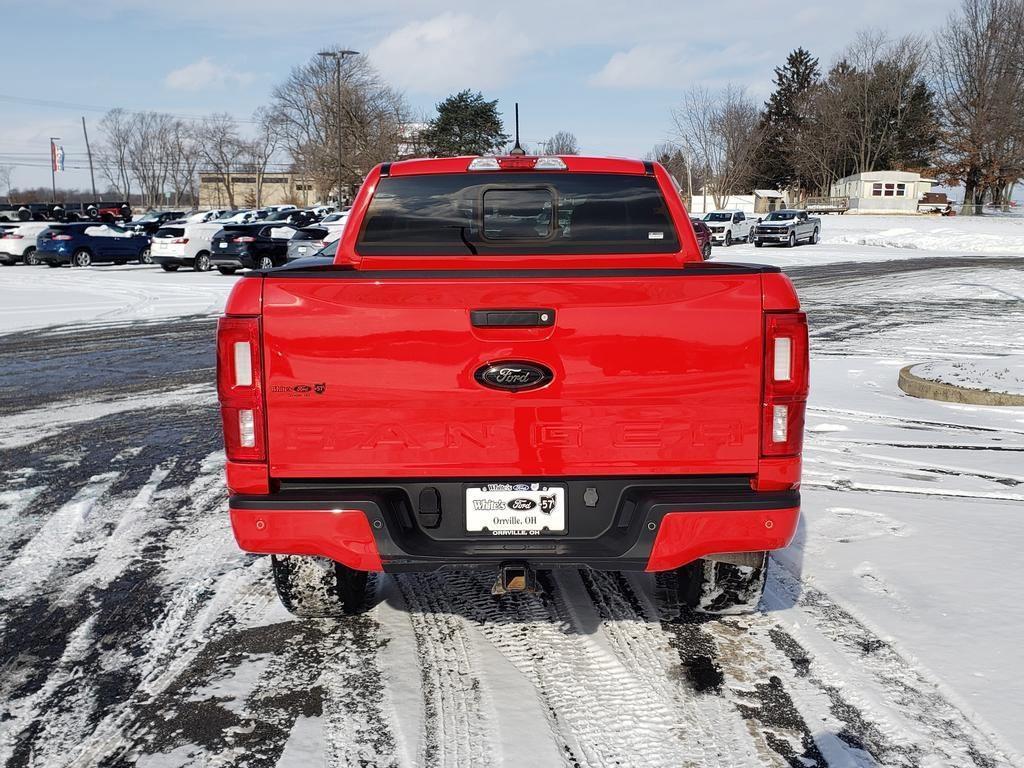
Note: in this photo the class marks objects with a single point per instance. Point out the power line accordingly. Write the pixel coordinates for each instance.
(92, 108)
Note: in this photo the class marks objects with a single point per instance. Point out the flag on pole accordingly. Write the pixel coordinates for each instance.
(57, 156)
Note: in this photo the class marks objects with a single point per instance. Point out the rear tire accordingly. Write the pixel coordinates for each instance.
(201, 263)
(169, 267)
(722, 589)
(791, 242)
(706, 251)
(266, 263)
(30, 257)
(145, 257)
(227, 270)
(81, 258)
(315, 587)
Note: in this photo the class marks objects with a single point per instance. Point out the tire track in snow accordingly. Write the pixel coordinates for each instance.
(938, 728)
(599, 711)
(457, 714)
(706, 725)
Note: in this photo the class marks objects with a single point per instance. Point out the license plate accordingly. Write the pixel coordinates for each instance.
(302, 249)
(515, 509)
(223, 245)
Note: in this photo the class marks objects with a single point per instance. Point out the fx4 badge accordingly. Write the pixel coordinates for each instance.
(513, 375)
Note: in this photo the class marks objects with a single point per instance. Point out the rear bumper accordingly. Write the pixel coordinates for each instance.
(9, 258)
(648, 524)
(181, 261)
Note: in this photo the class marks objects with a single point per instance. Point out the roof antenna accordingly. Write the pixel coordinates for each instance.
(518, 148)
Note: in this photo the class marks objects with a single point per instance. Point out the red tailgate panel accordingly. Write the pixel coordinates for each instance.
(375, 378)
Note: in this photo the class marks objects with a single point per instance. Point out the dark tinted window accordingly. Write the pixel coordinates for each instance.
(310, 233)
(170, 232)
(517, 213)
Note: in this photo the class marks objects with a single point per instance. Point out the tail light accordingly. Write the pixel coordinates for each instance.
(786, 367)
(62, 237)
(240, 388)
(245, 239)
(12, 236)
(179, 240)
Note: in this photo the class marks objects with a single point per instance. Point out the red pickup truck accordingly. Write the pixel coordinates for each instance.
(514, 363)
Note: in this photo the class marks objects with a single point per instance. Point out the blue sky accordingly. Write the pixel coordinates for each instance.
(608, 72)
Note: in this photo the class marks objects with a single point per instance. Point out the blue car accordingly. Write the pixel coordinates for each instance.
(84, 243)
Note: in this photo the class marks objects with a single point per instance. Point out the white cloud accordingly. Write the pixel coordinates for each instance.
(648, 65)
(204, 75)
(451, 51)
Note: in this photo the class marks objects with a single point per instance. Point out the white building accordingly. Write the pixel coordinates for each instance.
(762, 201)
(883, 191)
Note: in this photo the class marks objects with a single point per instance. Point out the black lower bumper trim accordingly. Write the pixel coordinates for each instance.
(611, 522)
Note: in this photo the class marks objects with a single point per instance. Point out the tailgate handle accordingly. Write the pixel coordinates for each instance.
(512, 318)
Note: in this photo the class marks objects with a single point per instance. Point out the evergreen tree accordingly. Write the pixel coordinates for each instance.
(782, 118)
(466, 124)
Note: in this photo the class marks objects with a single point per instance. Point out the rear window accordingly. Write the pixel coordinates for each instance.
(507, 213)
(311, 233)
(170, 232)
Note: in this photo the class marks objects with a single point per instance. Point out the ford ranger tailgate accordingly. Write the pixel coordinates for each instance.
(625, 372)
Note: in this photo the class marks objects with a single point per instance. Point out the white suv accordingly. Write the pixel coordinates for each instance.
(19, 243)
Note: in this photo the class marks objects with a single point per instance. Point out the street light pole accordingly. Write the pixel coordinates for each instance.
(338, 57)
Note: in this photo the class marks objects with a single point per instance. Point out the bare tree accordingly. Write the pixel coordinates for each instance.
(6, 172)
(980, 81)
(304, 113)
(562, 143)
(875, 80)
(222, 150)
(112, 157)
(260, 150)
(719, 130)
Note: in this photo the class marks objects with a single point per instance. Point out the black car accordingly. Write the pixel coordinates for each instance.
(252, 246)
(150, 222)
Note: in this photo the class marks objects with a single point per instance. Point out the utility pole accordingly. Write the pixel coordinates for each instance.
(338, 57)
(53, 167)
(88, 151)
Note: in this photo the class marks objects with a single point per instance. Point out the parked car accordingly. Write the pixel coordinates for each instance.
(296, 216)
(184, 245)
(200, 217)
(700, 229)
(81, 244)
(252, 246)
(243, 217)
(728, 227)
(472, 382)
(18, 242)
(152, 221)
(308, 240)
(787, 227)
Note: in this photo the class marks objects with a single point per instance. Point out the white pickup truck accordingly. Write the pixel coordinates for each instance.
(728, 227)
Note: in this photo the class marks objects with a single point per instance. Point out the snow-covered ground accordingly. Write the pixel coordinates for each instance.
(36, 297)
(132, 631)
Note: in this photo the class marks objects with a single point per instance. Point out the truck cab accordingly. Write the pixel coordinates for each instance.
(514, 363)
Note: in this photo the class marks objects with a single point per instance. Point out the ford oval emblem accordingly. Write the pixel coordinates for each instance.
(514, 375)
